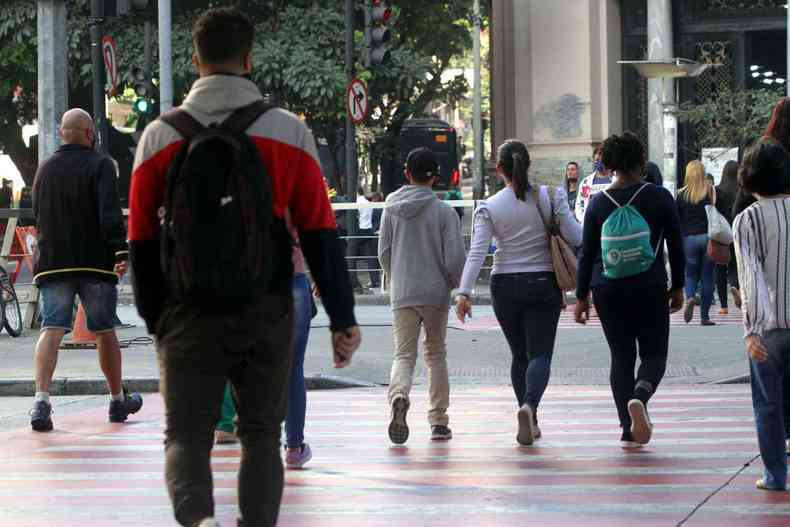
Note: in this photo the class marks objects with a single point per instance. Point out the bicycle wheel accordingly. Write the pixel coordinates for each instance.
(12, 314)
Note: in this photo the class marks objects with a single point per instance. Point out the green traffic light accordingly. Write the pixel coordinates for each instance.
(141, 106)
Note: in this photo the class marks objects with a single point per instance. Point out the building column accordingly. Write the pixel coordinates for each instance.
(52, 74)
(503, 81)
(662, 124)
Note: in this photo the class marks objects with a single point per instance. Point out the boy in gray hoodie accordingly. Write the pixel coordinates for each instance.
(421, 249)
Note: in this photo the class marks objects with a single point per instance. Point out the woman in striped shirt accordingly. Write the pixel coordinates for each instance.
(762, 246)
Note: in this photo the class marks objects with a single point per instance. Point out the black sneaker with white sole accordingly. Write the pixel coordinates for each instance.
(441, 433)
(641, 427)
(41, 417)
(398, 429)
(120, 410)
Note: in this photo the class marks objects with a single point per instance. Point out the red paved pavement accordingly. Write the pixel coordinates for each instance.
(91, 473)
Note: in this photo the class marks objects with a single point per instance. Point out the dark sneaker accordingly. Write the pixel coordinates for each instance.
(536, 433)
(41, 417)
(707, 323)
(399, 430)
(688, 312)
(441, 433)
(641, 427)
(526, 426)
(120, 410)
(297, 457)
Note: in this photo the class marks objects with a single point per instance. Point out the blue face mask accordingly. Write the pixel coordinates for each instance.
(598, 166)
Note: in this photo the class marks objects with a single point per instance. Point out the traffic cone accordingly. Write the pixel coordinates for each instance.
(80, 333)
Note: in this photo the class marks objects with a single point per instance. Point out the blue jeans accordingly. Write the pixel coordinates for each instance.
(527, 306)
(297, 395)
(767, 380)
(98, 297)
(699, 269)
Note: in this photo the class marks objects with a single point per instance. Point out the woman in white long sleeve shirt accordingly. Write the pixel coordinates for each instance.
(762, 247)
(524, 288)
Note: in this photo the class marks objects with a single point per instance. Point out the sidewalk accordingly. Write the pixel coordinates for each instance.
(700, 466)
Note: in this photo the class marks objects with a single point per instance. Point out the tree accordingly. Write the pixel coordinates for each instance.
(298, 58)
(729, 119)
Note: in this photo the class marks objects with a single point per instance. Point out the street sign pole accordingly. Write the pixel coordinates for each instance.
(97, 61)
(352, 175)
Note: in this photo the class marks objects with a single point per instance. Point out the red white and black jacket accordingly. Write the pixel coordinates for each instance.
(289, 153)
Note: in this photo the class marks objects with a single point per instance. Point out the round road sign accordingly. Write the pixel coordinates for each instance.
(110, 52)
(357, 101)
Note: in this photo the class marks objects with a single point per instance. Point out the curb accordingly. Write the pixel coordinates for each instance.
(64, 386)
(738, 379)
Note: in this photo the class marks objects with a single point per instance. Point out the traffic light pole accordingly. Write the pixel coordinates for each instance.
(351, 148)
(97, 62)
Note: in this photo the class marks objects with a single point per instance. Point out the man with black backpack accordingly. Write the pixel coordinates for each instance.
(211, 260)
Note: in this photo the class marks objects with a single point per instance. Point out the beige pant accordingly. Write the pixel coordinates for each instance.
(406, 331)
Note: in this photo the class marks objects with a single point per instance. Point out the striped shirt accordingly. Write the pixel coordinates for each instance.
(762, 248)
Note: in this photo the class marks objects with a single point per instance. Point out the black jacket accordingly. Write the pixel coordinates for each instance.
(78, 216)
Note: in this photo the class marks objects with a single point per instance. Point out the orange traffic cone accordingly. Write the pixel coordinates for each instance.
(80, 333)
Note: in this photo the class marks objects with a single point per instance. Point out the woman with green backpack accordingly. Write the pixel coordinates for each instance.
(622, 262)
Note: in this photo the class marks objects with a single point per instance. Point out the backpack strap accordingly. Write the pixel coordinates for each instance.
(186, 125)
(241, 119)
(636, 194)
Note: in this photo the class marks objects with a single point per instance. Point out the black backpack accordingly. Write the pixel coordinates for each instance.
(219, 247)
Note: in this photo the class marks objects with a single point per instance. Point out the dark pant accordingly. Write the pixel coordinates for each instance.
(527, 306)
(198, 353)
(364, 250)
(769, 403)
(635, 320)
(721, 285)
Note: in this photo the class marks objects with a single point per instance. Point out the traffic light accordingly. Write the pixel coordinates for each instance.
(143, 90)
(124, 7)
(377, 34)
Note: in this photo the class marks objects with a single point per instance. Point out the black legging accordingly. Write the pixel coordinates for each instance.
(630, 317)
(721, 285)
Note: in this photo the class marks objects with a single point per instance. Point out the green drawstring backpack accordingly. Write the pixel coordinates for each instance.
(625, 241)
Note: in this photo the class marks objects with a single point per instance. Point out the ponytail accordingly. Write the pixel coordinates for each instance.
(513, 157)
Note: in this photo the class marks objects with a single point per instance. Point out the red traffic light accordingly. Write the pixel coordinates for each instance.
(381, 14)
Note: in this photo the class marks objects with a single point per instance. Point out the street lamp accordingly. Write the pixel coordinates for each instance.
(669, 69)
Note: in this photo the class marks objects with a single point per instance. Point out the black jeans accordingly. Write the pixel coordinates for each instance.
(721, 285)
(634, 320)
(198, 353)
(367, 245)
(527, 306)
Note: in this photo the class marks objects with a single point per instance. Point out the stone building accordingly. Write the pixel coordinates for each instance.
(556, 81)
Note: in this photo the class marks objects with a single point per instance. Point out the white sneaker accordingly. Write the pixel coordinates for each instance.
(209, 522)
(641, 427)
(526, 422)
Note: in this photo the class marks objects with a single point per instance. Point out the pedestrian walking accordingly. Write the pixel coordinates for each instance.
(572, 185)
(622, 263)
(653, 174)
(761, 243)
(82, 252)
(363, 247)
(524, 288)
(297, 452)
(599, 180)
(213, 271)
(691, 201)
(727, 275)
(422, 251)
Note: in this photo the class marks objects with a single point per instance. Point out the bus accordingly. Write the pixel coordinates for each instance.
(442, 139)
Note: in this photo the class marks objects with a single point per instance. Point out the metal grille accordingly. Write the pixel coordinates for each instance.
(743, 5)
(641, 105)
(715, 82)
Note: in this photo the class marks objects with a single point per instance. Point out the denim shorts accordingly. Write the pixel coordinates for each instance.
(98, 297)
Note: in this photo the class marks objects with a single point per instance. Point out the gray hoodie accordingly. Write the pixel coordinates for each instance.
(420, 248)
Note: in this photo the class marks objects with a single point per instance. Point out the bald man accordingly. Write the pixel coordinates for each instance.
(81, 252)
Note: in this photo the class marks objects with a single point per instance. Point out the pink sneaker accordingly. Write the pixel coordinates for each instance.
(297, 457)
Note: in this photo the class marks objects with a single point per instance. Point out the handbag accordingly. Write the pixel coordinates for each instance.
(563, 259)
(719, 233)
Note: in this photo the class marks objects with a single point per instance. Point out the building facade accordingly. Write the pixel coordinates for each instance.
(557, 84)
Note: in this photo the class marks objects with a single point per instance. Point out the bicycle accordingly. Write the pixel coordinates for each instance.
(10, 311)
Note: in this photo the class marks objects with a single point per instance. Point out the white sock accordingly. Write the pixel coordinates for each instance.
(117, 396)
(42, 396)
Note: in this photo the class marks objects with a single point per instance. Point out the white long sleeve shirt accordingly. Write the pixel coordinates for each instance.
(522, 241)
(762, 248)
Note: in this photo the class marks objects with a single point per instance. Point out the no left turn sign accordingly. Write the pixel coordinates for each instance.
(357, 102)
(110, 53)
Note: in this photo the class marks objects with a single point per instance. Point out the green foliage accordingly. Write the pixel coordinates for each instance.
(298, 58)
(731, 118)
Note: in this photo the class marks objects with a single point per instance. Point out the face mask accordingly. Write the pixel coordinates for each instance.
(598, 166)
